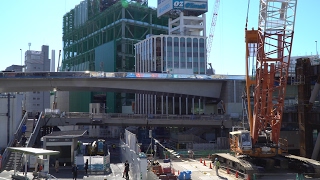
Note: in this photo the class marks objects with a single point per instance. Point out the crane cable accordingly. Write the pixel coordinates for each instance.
(246, 27)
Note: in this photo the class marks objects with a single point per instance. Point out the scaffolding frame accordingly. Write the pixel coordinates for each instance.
(123, 25)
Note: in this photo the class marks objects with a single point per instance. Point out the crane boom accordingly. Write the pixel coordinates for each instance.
(268, 51)
(213, 25)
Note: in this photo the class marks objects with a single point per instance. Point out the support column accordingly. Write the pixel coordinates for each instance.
(155, 104)
(180, 106)
(187, 106)
(151, 102)
(143, 103)
(173, 108)
(199, 105)
(167, 104)
(193, 105)
(204, 105)
(161, 104)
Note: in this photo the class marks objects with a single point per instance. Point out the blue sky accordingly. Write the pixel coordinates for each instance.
(40, 23)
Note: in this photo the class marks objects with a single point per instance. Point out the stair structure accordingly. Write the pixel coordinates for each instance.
(31, 134)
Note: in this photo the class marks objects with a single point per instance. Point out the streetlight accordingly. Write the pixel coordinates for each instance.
(316, 47)
(21, 56)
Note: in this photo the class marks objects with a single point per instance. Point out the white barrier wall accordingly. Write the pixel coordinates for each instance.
(130, 152)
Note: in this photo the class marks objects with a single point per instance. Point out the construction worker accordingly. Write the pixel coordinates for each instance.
(217, 165)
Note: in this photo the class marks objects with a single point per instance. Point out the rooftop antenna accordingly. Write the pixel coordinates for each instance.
(29, 44)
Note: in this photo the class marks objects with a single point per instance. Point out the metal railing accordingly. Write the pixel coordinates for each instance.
(137, 116)
(129, 75)
(35, 131)
(16, 135)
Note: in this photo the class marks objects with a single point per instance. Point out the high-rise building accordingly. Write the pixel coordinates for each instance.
(181, 51)
(37, 101)
(100, 36)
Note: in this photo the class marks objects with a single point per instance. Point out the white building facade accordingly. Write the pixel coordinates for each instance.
(182, 51)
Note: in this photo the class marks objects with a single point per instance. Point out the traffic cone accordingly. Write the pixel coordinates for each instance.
(248, 177)
(237, 174)
(178, 172)
(173, 171)
(200, 160)
(228, 172)
(210, 165)
(204, 162)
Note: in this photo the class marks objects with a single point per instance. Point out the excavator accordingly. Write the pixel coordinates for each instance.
(268, 51)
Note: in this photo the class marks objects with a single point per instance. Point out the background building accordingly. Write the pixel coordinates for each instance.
(10, 118)
(100, 36)
(37, 101)
(182, 51)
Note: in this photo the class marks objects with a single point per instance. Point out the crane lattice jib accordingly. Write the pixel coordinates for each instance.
(272, 50)
(213, 25)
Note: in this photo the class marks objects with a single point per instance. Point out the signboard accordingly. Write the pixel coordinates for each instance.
(165, 6)
(196, 5)
(59, 139)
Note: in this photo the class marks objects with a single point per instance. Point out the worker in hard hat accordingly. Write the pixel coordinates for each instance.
(216, 165)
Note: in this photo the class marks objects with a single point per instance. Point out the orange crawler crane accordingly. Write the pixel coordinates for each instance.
(268, 52)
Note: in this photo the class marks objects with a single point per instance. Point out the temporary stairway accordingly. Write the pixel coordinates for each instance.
(31, 134)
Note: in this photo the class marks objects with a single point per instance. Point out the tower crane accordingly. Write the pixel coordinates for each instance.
(268, 51)
(212, 28)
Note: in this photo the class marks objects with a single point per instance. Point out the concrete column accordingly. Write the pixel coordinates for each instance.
(199, 103)
(167, 104)
(187, 106)
(173, 108)
(180, 106)
(143, 103)
(155, 104)
(161, 104)
(204, 105)
(140, 109)
(151, 102)
(193, 105)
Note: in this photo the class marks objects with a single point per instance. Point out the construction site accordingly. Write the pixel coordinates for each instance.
(279, 100)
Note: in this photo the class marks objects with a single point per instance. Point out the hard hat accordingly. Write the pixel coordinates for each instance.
(216, 159)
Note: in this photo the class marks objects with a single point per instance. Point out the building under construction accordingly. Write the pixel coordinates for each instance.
(99, 35)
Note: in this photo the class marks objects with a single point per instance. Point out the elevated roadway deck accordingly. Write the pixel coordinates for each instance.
(147, 83)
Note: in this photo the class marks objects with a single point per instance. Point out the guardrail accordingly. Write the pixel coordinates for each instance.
(294, 176)
(137, 116)
(131, 75)
(16, 135)
(35, 131)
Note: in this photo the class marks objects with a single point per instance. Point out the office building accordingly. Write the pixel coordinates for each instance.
(100, 36)
(35, 61)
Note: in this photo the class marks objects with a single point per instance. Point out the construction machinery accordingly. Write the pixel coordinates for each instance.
(268, 51)
(54, 104)
(212, 29)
